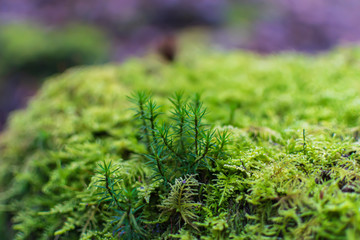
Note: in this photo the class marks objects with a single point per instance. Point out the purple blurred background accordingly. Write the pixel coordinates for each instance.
(131, 27)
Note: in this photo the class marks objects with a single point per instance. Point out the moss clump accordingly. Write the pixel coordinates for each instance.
(276, 181)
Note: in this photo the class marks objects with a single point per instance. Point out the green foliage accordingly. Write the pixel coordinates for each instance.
(34, 50)
(175, 150)
(181, 201)
(116, 194)
(271, 181)
(218, 226)
(183, 145)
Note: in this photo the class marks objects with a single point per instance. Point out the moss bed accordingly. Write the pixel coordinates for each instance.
(291, 169)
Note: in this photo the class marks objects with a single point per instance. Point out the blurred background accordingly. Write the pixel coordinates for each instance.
(39, 38)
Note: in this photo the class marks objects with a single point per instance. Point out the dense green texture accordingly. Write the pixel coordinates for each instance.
(277, 181)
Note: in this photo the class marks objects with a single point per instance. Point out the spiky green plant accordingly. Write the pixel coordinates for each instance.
(122, 200)
(178, 148)
(184, 143)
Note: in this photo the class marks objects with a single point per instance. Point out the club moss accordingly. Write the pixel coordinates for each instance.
(292, 170)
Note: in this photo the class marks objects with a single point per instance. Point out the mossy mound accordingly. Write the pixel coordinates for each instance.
(277, 182)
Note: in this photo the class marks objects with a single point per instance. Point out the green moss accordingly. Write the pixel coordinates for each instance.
(271, 185)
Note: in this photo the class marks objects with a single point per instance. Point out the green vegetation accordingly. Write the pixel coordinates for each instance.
(282, 134)
(38, 51)
(179, 148)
